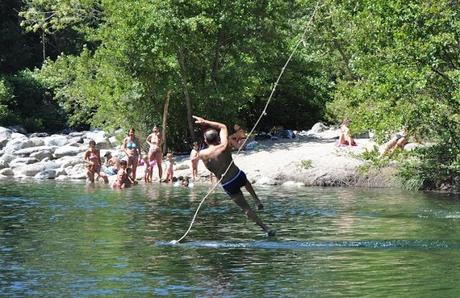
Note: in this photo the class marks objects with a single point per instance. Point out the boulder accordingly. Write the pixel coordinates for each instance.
(46, 174)
(7, 172)
(5, 136)
(76, 172)
(29, 170)
(17, 144)
(100, 137)
(21, 161)
(38, 135)
(32, 150)
(69, 161)
(265, 181)
(68, 151)
(16, 135)
(40, 155)
(56, 140)
(318, 127)
(7, 158)
(77, 134)
(37, 141)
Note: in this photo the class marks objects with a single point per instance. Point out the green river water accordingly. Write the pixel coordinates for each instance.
(69, 239)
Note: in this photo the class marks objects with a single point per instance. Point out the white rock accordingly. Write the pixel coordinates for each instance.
(56, 140)
(40, 155)
(265, 181)
(5, 136)
(318, 127)
(37, 141)
(17, 144)
(21, 161)
(292, 184)
(30, 170)
(16, 135)
(31, 150)
(67, 151)
(47, 174)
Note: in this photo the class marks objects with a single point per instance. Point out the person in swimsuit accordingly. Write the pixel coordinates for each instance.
(149, 165)
(132, 149)
(92, 158)
(218, 159)
(122, 176)
(237, 138)
(345, 138)
(194, 159)
(154, 140)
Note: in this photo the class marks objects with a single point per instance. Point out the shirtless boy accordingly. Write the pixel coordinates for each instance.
(217, 158)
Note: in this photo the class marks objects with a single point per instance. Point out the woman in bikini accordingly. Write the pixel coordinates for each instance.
(132, 149)
(93, 159)
(155, 155)
(237, 139)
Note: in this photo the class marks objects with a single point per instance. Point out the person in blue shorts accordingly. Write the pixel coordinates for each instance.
(218, 160)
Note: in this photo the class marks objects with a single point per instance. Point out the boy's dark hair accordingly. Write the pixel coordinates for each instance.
(123, 163)
(211, 136)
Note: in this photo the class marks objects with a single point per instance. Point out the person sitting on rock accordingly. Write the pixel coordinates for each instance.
(345, 138)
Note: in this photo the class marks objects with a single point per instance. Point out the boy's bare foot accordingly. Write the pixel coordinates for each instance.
(260, 206)
(271, 233)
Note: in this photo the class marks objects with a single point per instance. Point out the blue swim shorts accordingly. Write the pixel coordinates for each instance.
(232, 186)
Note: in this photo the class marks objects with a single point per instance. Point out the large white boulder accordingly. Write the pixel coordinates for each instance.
(68, 151)
(17, 144)
(46, 174)
(56, 140)
(21, 161)
(32, 150)
(41, 155)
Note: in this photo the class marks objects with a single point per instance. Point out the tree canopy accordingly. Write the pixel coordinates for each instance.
(112, 64)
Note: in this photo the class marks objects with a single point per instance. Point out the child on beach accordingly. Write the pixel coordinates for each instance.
(194, 159)
(169, 167)
(122, 175)
(148, 169)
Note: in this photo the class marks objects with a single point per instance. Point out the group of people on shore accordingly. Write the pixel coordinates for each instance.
(126, 168)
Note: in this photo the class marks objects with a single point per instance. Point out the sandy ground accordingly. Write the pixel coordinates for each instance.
(301, 162)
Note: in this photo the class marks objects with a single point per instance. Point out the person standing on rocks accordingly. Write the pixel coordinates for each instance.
(132, 148)
(93, 159)
(218, 159)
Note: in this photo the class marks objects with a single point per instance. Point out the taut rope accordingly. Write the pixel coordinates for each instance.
(263, 113)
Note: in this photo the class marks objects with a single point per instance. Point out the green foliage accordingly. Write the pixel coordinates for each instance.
(306, 164)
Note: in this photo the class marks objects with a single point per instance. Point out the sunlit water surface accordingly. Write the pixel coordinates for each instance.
(74, 240)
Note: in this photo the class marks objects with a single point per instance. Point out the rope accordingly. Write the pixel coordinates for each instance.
(262, 114)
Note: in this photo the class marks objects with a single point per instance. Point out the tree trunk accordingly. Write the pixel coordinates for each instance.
(188, 102)
(165, 120)
(43, 46)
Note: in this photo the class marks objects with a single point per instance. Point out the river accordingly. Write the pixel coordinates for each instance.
(69, 239)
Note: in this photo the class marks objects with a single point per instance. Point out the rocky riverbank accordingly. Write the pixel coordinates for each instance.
(312, 158)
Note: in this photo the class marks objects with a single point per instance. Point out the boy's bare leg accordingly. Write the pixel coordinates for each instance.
(249, 188)
(243, 204)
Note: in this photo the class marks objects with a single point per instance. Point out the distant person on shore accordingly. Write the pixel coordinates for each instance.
(194, 160)
(92, 158)
(218, 158)
(132, 148)
(345, 138)
(237, 139)
(154, 140)
(399, 140)
(169, 167)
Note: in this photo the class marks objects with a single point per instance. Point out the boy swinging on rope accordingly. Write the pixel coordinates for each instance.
(217, 158)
